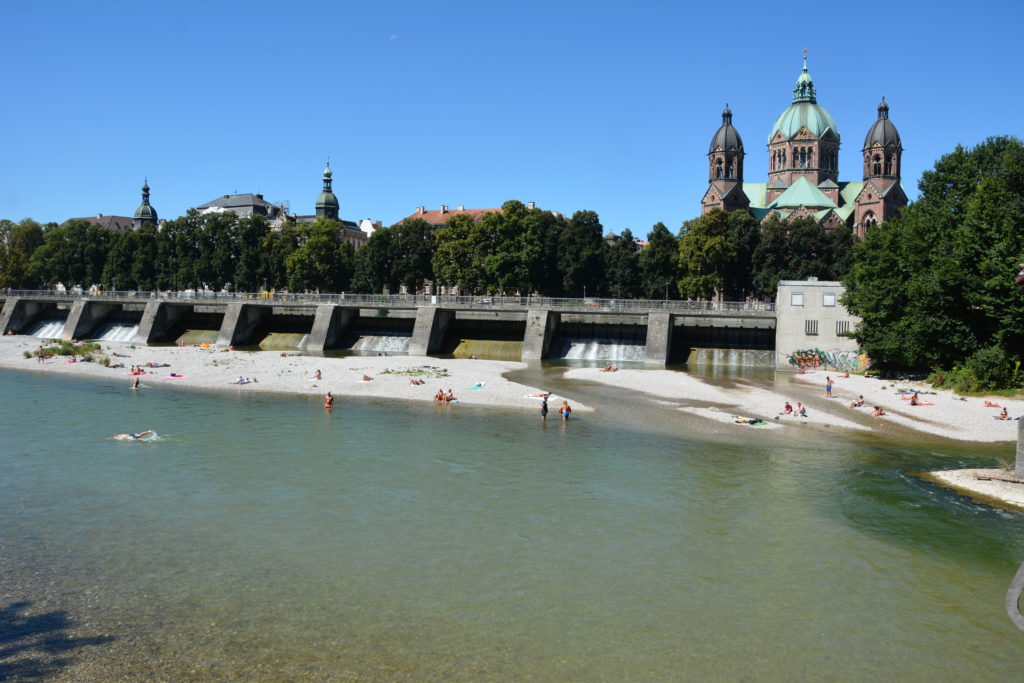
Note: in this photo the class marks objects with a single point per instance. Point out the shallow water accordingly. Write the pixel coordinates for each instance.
(260, 538)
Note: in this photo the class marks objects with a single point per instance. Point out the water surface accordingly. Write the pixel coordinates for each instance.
(260, 538)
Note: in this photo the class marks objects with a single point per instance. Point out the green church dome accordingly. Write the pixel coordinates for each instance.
(805, 112)
(326, 199)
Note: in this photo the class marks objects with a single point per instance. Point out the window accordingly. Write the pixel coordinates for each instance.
(811, 327)
(842, 328)
(797, 299)
(828, 299)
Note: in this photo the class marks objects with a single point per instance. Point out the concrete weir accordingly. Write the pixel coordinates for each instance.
(527, 328)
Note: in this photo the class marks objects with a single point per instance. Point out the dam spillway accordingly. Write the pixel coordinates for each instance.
(512, 328)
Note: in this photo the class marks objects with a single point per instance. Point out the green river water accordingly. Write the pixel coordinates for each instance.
(262, 539)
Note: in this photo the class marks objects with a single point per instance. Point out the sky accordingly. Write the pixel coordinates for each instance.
(606, 106)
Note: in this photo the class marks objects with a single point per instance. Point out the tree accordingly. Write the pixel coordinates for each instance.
(659, 264)
(934, 287)
(458, 255)
(579, 255)
(322, 262)
(705, 255)
(117, 271)
(250, 270)
(622, 267)
(797, 250)
(744, 235)
(373, 264)
(71, 254)
(410, 254)
(18, 241)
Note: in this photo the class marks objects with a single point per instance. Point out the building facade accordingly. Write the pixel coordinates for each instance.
(813, 329)
(803, 168)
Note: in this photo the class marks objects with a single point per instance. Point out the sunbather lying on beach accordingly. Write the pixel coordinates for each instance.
(878, 412)
(990, 404)
(859, 403)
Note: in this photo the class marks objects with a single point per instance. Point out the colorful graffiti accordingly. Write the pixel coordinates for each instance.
(844, 361)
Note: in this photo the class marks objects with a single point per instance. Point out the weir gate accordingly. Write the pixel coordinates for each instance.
(505, 328)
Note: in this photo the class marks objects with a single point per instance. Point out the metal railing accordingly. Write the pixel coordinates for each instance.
(406, 300)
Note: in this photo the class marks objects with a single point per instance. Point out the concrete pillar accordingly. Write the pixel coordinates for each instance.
(1019, 469)
(7, 317)
(540, 329)
(431, 324)
(84, 317)
(659, 338)
(157, 320)
(18, 314)
(240, 321)
(330, 323)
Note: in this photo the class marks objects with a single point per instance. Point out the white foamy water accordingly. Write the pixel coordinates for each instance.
(599, 350)
(47, 329)
(117, 332)
(391, 343)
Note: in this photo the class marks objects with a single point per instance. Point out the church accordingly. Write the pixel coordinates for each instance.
(803, 168)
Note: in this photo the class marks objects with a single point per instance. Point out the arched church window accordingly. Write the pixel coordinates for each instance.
(783, 158)
(718, 168)
(877, 165)
(888, 164)
(729, 170)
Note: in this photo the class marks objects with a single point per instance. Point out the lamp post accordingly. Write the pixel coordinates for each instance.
(666, 289)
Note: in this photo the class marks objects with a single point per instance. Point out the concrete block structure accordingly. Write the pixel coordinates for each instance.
(813, 329)
(431, 325)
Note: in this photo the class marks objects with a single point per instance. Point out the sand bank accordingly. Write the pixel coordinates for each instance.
(474, 382)
(951, 416)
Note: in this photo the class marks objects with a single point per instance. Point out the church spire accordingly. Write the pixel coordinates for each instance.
(327, 203)
(145, 213)
(804, 91)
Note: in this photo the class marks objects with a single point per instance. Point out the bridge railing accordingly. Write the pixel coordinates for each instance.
(556, 303)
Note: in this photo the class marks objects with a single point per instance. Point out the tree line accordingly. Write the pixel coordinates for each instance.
(518, 250)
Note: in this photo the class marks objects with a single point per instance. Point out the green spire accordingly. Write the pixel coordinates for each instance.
(804, 91)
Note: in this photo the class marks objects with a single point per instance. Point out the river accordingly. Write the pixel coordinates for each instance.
(260, 538)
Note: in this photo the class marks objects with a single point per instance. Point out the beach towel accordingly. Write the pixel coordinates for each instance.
(174, 376)
(478, 385)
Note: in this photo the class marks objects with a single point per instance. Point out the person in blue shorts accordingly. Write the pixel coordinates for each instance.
(565, 411)
(544, 408)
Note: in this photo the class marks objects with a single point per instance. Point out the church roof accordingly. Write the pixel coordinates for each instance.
(802, 193)
(726, 138)
(882, 132)
(757, 194)
(805, 112)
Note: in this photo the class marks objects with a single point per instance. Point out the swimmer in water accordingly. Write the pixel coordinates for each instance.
(328, 401)
(128, 437)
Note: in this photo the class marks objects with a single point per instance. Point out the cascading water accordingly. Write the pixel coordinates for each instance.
(381, 343)
(117, 332)
(602, 350)
(47, 329)
(742, 358)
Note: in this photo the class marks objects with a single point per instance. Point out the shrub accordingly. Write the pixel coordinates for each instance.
(992, 368)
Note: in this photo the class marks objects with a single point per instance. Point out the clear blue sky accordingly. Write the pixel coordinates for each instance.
(608, 106)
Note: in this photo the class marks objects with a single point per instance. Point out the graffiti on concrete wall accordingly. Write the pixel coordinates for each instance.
(847, 361)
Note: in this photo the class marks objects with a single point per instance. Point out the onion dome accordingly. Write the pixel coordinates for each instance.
(327, 203)
(883, 133)
(726, 138)
(805, 112)
(145, 213)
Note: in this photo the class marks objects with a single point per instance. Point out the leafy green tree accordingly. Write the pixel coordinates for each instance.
(71, 254)
(373, 268)
(705, 254)
(278, 245)
(250, 271)
(458, 255)
(934, 286)
(117, 271)
(744, 235)
(580, 258)
(622, 267)
(410, 254)
(18, 241)
(144, 265)
(797, 250)
(510, 245)
(322, 261)
(659, 264)
(217, 249)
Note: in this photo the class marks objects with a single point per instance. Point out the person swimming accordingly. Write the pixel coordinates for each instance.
(130, 437)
